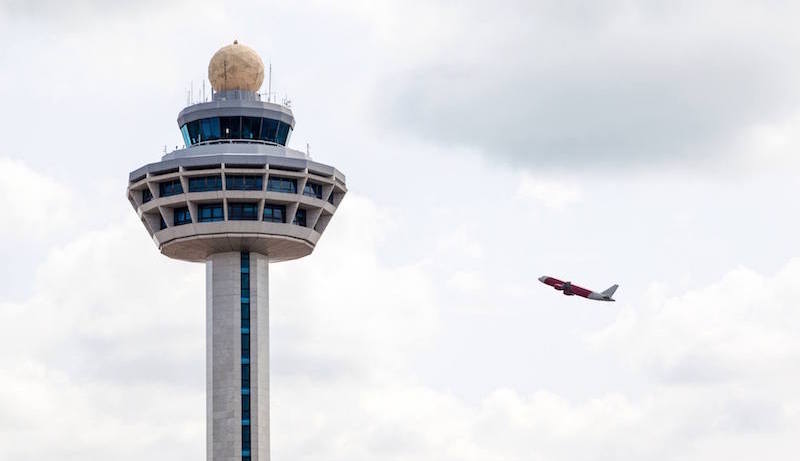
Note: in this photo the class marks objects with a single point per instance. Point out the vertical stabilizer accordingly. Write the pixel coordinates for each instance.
(610, 291)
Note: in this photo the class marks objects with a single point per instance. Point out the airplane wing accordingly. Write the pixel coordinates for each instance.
(580, 291)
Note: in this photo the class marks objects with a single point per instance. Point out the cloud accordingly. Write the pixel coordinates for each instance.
(34, 206)
(611, 84)
(550, 193)
(740, 328)
(111, 339)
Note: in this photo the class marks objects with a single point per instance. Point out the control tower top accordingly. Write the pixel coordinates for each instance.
(236, 186)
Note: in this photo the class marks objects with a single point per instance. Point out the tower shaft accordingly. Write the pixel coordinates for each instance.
(237, 357)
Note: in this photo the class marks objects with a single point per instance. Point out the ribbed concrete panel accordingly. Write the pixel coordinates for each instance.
(223, 349)
(259, 370)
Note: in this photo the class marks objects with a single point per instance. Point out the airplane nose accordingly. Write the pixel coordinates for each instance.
(543, 278)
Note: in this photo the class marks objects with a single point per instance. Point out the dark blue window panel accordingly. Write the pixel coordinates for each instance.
(300, 218)
(330, 198)
(244, 267)
(146, 195)
(274, 213)
(313, 190)
(193, 132)
(251, 126)
(283, 133)
(181, 216)
(209, 129)
(163, 224)
(243, 211)
(245, 375)
(167, 188)
(245, 438)
(231, 127)
(269, 130)
(210, 212)
(205, 183)
(277, 184)
(244, 182)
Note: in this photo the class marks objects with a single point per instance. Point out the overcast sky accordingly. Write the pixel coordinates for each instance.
(652, 144)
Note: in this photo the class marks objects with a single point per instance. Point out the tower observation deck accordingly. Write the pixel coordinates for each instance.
(237, 198)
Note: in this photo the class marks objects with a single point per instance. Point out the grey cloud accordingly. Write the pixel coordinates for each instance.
(612, 85)
(75, 12)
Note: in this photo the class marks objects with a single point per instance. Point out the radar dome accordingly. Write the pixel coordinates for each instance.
(236, 67)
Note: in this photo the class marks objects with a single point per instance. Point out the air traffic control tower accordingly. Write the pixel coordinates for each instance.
(237, 199)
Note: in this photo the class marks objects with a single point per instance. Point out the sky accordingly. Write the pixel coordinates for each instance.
(651, 144)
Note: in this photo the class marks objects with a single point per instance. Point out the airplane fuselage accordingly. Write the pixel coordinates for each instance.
(568, 289)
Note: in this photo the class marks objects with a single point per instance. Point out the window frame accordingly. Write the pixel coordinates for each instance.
(282, 180)
(187, 217)
(201, 208)
(273, 207)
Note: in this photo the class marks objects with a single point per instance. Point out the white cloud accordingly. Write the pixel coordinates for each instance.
(550, 193)
(742, 327)
(466, 281)
(460, 242)
(34, 205)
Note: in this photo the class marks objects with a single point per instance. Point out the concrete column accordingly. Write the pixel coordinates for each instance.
(223, 357)
(259, 340)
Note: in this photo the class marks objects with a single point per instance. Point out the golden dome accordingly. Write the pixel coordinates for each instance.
(236, 67)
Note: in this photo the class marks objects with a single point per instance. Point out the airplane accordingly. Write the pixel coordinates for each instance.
(569, 289)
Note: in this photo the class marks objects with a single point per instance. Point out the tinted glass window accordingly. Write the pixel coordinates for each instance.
(330, 198)
(269, 130)
(283, 133)
(193, 130)
(250, 127)
(209, 129)
(210, 212)
(274, 213)
(185, 132)
(244, 182)
(163, 224)
(245, 376)
(146, 195)
(313, 190)
(243, 212)
(167, 188)
(205, 183)
(300, 218)
(231, 127)
(182, 216)
(287, 185)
